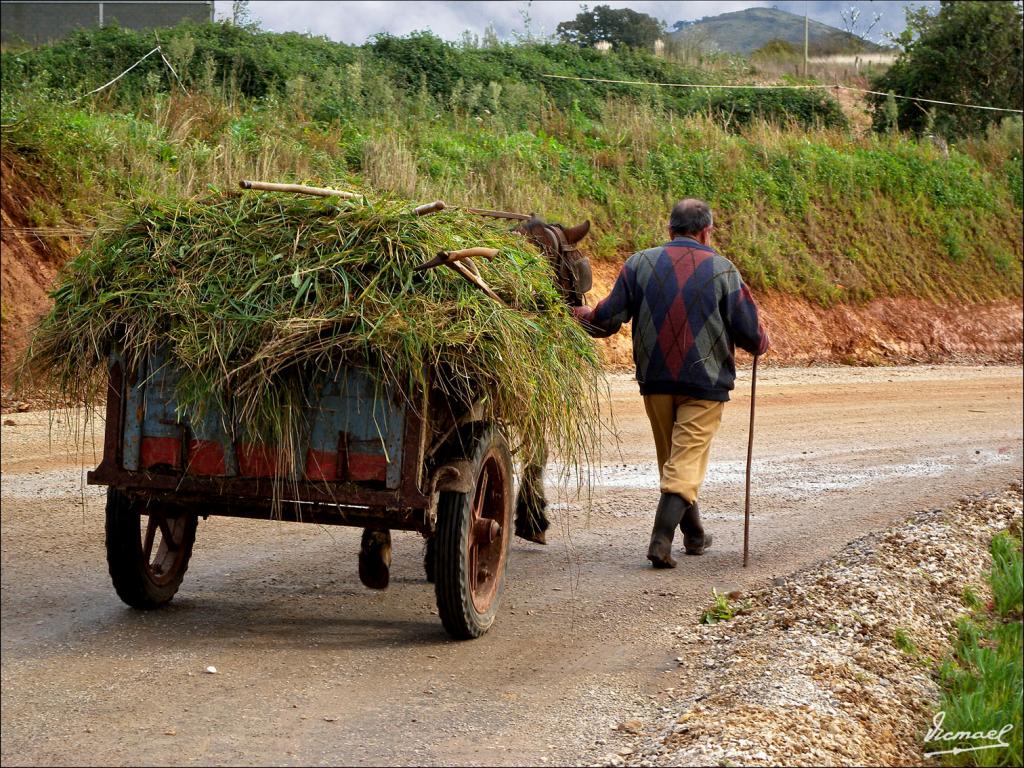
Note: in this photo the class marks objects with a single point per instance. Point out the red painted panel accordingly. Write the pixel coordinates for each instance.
(367, 466)
(258, 460)
(206, 457)
(156, 451)
(321, 465)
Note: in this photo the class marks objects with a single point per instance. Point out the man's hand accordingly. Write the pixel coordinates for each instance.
(583, 314)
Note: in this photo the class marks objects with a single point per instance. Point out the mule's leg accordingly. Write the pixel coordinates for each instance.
(375, 558)
(531, 519)
(430, 558)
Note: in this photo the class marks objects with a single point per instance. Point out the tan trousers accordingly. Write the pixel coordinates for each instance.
(683, 428)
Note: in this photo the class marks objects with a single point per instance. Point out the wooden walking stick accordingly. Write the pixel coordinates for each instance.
(750, 453)
(420, 210)
(300, 189)
(461, 262)
(447, 257)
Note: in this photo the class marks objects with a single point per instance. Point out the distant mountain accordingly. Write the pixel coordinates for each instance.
(747, 30)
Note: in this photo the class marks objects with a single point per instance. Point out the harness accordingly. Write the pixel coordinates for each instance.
(572, 268)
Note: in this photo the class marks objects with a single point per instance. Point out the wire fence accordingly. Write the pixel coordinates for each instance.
(780, 87)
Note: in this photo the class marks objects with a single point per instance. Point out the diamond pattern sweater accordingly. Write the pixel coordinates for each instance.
(690, 309)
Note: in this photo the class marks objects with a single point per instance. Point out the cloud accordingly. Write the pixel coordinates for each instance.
(354, 21)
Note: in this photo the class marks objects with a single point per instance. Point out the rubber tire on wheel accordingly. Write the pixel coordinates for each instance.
(463, 616)
(135, 580)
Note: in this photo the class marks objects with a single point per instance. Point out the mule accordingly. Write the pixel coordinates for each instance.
(560, 245)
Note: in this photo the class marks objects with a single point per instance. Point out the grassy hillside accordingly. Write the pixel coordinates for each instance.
(263, 65)
(747, 30)
(804, 206)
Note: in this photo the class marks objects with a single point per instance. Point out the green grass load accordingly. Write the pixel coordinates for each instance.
(255, 295)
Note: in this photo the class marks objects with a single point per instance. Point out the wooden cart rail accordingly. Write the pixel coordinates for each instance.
(249, 495)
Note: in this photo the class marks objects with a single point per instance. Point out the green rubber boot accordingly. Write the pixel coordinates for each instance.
(695, 540)
(670, 512)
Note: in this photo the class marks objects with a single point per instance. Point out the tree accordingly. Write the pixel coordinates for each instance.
(852, 23)
(690, 46)
(891, 113)
(241, 16)
(622, 27)
(968, 52)
(490, 38)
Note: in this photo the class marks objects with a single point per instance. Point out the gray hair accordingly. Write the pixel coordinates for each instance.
(689, 217)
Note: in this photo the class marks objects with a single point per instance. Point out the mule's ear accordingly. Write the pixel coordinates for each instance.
(574, 234)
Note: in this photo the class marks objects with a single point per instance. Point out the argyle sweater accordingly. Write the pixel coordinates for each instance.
(690, 309)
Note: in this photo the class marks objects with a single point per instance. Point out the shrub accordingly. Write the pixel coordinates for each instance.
(967, 52)
(806, 108)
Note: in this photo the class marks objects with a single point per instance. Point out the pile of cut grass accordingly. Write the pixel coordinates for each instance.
(254, 296)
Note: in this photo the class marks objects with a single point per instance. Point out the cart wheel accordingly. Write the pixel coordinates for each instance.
(430, 559)
(473, 534)
(147, 552)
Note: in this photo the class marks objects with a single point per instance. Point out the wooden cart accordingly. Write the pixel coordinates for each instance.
(370, 457)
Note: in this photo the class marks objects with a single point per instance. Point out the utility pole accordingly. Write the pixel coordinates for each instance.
(805, 38)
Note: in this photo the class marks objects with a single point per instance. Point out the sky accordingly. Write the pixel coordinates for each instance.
(354, 21)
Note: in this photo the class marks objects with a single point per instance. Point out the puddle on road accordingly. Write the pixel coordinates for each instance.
(793, 477)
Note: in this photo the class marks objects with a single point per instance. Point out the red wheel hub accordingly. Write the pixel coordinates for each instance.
(162, 550)
(488, 532)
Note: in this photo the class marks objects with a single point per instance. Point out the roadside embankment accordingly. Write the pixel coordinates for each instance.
(864, 248)
(883, 331)
(29, 261)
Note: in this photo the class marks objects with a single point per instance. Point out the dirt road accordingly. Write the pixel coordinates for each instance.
(312, 668)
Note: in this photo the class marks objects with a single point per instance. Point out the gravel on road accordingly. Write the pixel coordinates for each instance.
(834, 664)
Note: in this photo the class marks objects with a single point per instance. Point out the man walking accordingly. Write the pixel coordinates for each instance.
(690, 309)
